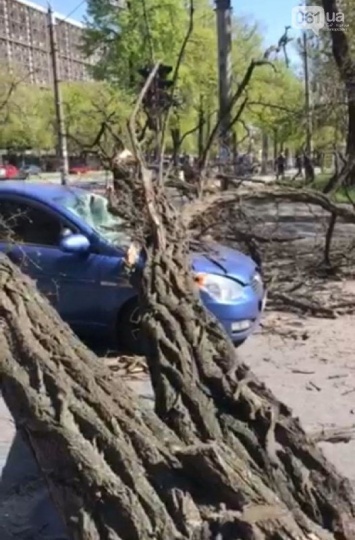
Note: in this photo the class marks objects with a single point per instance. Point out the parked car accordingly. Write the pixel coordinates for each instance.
(80, 169)
(10, 172)
(32, 170)
(73, 247)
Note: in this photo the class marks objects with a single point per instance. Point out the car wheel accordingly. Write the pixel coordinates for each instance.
(129, 332)
(239, 343)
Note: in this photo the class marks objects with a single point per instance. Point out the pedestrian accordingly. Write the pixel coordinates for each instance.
(308, 169)
(299, 165)
(280, 166)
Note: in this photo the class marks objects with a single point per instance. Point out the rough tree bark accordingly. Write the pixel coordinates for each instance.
(225, 460)
(117, 472)
(346, 67)
(222, 458)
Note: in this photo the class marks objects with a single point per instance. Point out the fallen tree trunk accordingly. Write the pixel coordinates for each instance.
(202, 394)
(116, 472)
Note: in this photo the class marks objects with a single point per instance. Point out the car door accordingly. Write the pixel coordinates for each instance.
(30, 235)
(22, 239)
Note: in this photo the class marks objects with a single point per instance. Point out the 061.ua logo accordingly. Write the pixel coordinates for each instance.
(308, 18)
(315, 18)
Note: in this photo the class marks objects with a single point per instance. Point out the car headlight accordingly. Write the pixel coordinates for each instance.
(220, 288)
(257, 283)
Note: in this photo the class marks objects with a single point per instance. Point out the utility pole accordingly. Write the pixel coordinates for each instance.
(62, 137)
(224, 35)
(307, 95)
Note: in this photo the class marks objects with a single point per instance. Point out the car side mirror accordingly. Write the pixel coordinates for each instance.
(75, 243)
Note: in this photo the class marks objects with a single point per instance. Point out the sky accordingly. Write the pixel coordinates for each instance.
(272, 15)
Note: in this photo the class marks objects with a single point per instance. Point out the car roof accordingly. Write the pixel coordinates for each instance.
(39, 191)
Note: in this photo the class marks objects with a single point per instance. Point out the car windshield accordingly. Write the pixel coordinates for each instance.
(93, 209)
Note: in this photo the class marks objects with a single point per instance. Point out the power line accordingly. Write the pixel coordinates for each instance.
(72, 12)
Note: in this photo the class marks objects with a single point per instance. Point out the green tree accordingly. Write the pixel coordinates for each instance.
(25, 120)
(87, 105)
(128, 39)
(276, 105)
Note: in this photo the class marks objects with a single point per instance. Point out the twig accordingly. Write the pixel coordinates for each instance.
(334, 435)
(348, 392)
(302, 372)
(315, 386)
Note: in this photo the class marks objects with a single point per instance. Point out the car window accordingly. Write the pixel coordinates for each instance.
(93, 209)
(26, 224)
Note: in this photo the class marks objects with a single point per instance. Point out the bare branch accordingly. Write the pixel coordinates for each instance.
(131, 125)
(175, 79)
(237, 95)
(334, 435)
(209, 204)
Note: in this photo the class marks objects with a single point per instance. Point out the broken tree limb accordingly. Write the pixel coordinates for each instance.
(282, 301)
(230, 426)
(334, 435)
(116, 471)
(194, 210)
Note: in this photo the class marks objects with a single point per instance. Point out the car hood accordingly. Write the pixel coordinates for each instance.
(225, 261)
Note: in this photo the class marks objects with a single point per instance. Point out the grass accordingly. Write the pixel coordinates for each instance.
(342, 194)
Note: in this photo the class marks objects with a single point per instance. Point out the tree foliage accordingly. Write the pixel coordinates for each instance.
(24, 120)
(128, 39)
(87, 106)
(277, 104)
(27, 113)
(151, 31)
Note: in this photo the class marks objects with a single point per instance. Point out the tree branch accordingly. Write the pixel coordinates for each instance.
(175, 79)
(237, 95)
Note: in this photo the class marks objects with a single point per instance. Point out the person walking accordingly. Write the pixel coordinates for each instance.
(280, 166)
(299, 165)
(308, 169)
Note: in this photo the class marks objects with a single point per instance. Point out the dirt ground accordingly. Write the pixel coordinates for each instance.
(311, 367)
(313, 371)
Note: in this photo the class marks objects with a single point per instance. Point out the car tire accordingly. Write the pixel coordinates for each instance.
(238, 344)
(129, 332)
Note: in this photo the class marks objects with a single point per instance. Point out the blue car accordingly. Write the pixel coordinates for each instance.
(67, 240)
(32, 170)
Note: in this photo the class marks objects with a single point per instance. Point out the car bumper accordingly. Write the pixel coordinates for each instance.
(240, 319)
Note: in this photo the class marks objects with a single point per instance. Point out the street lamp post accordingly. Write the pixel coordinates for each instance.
(307, 93)
(61, 129)
(224, 36)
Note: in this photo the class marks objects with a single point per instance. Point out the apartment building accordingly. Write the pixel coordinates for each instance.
(25, 47)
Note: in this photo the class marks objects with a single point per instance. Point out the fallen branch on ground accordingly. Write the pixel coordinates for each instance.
(334, 435)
